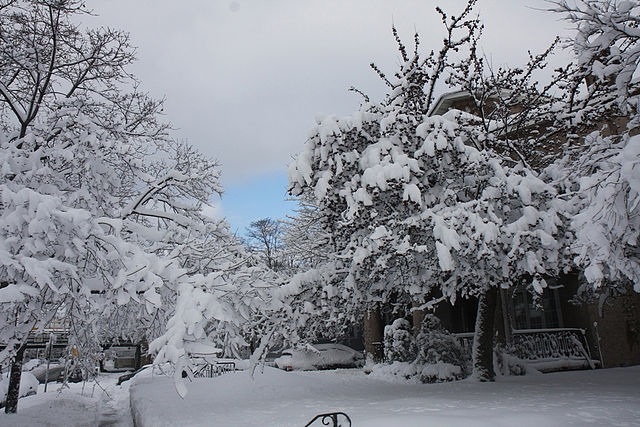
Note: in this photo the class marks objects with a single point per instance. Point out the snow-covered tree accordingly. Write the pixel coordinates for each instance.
(229, 306)
(417, 207)
(317, 304)
(607, 53)
(100, 211)
(306, 243)
(516, 111)
(601, 170)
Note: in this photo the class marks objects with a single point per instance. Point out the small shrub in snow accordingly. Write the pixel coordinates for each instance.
(396, 371)
(434, 355)
(436, 346)
(399, 343)
(440, 372)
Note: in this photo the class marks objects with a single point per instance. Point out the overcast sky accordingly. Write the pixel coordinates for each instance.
(244, 79)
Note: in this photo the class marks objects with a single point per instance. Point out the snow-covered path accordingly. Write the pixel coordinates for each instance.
(600, 398)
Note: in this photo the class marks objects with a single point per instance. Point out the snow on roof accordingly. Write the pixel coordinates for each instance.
(444, 102)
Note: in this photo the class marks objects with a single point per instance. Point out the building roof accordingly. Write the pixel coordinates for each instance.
(446, 100)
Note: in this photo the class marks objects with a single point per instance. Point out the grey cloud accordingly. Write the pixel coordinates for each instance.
(244, 79)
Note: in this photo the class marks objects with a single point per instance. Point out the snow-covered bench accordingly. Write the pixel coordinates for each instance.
(553, 349)
(547, 350)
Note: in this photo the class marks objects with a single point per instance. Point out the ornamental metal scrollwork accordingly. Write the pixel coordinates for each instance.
(331, 419)
(540, 344)
(550, 344)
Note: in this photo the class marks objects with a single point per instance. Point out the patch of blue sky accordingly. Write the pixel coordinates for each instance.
(262, 196)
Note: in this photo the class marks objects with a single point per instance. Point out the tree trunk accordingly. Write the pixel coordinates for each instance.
(13, 393)
(483, 339)
(373, 333)
(417, 318)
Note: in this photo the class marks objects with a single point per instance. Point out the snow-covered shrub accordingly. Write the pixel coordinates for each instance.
(440, 372)
(437, 346)
(399, 343)
(434, 355)
(417, 373)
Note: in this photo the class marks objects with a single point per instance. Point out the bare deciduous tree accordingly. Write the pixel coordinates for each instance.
(265, 237)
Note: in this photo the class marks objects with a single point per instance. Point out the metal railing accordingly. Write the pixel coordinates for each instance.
(332, 419)
(214, 369)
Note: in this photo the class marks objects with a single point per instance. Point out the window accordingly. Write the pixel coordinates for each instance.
(530, 314)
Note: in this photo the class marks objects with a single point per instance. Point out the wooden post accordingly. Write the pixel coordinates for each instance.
(373, 333)
(417, 318)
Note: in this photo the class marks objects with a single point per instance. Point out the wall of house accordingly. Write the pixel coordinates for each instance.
(618, 327)
(614, 333)
(576, 315)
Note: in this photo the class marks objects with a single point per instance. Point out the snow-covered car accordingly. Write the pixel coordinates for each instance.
(28, 386)
(56, 372)
(319, 356)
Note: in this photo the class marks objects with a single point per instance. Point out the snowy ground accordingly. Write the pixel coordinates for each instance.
(100, 403)
(276, 398)
(608, 397)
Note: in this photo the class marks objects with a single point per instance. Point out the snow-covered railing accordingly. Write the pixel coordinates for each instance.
(544, 344)
(210, 369)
